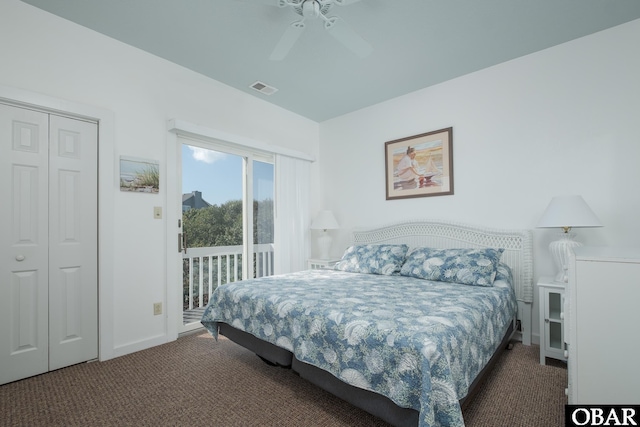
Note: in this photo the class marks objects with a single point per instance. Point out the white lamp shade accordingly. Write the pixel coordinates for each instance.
(325, 221)
(568, 211)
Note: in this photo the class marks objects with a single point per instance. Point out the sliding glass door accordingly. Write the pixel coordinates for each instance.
(227, 221)
(263, 218)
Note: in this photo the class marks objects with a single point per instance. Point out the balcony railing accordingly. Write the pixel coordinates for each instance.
(204, 269)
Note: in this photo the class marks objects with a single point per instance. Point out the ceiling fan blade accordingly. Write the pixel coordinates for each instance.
(287, 41)
(345, 2)
(267, 2)
(348, 37)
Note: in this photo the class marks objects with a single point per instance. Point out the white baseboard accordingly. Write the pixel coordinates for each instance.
(535, 339)
(139, 345)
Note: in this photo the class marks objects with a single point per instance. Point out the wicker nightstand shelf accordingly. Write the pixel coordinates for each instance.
(317, 263)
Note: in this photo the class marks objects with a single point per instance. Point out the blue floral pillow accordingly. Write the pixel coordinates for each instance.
(467, 266)
(373, 259)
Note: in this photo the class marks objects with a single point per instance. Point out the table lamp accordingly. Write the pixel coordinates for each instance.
(324, 221)
(566, 212)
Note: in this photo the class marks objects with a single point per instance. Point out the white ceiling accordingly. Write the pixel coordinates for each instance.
(416, 43)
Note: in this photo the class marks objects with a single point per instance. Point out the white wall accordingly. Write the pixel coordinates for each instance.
(560, 121)
(44, 54)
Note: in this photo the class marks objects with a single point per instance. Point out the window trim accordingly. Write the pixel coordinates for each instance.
(189, 130)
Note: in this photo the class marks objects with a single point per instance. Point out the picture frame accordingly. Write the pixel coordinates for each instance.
(139, 175)
(428, 173)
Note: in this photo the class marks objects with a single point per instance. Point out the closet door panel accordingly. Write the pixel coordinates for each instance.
(23, 243)
(73, 261)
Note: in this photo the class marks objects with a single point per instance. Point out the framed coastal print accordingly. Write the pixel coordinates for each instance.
(139, 175)
(420, 165)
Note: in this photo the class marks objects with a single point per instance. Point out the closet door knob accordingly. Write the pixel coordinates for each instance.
(19, 257)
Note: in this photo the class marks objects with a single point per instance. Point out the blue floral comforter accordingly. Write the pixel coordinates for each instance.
(418, 342)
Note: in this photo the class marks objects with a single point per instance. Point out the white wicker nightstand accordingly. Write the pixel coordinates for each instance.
(551, 302)
(317, 263)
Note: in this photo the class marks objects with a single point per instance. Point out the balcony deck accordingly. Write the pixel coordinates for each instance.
(192, 316)
(205, 269)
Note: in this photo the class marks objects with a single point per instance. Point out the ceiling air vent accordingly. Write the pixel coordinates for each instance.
(264, 88)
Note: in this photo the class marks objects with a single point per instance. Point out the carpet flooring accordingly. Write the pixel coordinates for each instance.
(196, 381)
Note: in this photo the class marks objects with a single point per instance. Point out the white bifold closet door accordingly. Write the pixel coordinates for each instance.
(48, 242)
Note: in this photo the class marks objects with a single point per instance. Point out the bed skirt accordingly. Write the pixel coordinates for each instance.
(373, 403)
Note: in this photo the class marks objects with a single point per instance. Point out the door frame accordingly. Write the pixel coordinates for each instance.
(235, 144)
(249, 156)
(106, 181)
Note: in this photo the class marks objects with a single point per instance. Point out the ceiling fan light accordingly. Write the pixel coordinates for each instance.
(310, 9)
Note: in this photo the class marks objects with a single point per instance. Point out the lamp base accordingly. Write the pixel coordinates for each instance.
(324, 244)
(561, 250)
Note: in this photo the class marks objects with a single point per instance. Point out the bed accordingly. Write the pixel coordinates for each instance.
(378, 330)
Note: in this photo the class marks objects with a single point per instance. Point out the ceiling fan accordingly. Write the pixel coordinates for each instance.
(319, 9)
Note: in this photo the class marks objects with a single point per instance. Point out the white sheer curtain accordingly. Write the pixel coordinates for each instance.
(291, 229)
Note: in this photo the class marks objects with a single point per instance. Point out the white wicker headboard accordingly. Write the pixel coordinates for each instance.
(517, 244)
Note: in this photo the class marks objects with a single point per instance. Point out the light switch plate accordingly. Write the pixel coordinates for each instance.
(157, 212)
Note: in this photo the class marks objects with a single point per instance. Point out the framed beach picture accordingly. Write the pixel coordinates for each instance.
(139, 175)
(420, 165)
